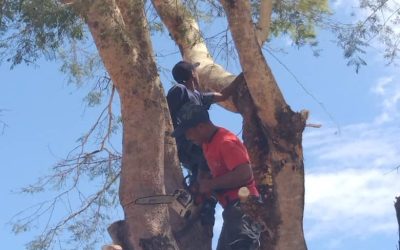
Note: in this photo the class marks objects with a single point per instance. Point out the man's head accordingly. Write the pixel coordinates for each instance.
(193, 121)
(184, 71)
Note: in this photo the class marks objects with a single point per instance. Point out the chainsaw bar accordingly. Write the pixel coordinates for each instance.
(155, 200)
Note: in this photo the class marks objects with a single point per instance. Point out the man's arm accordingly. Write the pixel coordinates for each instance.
(219, 97)
(226, 92)
(238, 177)
(213, 97)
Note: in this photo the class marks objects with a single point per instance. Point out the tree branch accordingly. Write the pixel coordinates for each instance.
(264, 23)
(260, 81)
(3, 125)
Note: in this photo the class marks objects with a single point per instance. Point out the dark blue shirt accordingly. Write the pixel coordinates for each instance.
(178, 95)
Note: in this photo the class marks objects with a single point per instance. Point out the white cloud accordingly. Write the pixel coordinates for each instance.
(388, 88)
(380, 87)
(350, 185)
(354, 196)
(357, 146)
(352, 204)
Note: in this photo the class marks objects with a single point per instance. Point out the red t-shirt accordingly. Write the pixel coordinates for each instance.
(224, 153)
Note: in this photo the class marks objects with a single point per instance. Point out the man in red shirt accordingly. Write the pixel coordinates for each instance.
(230, 168)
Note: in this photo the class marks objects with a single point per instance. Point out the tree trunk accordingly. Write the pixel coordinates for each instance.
(173, 173)
(273, 134)
(149, 164)
(130, 62)
(278, 171)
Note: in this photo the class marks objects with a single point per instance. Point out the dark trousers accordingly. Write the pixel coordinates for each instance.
(237, 233)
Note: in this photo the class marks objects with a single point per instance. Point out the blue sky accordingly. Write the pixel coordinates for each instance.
(349, 161)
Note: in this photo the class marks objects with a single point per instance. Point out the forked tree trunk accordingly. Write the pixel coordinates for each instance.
(272, 132)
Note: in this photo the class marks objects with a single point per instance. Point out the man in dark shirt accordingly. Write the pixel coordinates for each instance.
(191, 155)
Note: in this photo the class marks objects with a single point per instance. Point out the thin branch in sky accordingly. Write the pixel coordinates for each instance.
(320, 103)
(3, 125)
(93, 157)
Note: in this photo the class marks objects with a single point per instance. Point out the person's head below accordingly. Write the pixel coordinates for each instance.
(194, 123)
(185, 73)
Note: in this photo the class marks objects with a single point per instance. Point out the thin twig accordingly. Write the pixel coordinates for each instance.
(321, 104)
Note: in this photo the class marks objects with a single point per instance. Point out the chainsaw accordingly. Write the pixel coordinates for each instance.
(181, 201)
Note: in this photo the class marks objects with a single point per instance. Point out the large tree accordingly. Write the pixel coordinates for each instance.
(148, 164)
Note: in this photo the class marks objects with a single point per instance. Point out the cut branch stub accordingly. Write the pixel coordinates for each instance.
(118, 233)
